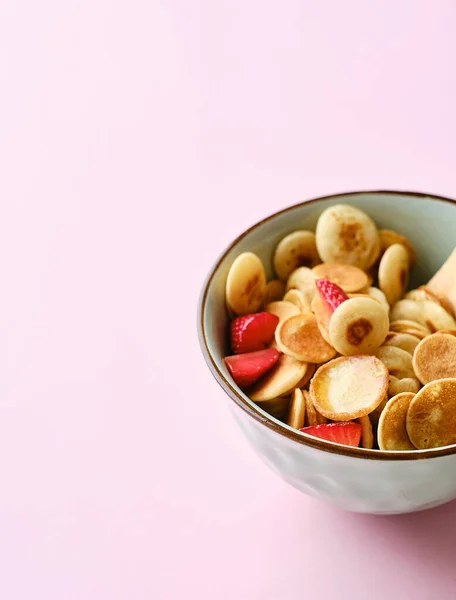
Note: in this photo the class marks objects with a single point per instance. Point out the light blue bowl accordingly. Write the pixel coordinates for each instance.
(351, 478)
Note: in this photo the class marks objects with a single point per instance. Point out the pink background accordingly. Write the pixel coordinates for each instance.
(137, 139)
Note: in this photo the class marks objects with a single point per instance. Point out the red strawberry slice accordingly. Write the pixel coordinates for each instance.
(331, 294)
(346, 433)
(253, 332)
(248, 368)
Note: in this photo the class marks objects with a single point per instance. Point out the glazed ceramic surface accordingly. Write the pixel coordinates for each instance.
(359, 480)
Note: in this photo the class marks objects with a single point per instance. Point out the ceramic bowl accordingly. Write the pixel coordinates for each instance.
(354, 479)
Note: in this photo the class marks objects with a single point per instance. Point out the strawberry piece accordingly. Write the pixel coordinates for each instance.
(253, 332)
(331, 294)
(346, 433)
(246, 369)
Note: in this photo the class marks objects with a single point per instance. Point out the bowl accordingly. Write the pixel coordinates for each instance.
(353, 479)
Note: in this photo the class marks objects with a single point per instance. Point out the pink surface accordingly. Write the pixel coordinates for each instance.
(137, 139)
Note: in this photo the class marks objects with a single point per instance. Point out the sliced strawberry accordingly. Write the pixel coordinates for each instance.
(346, 433)
(253, 332)
(331, 294)
(248, 368)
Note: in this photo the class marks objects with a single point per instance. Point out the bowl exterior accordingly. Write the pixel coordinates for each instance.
(353, 484)
(366, 481)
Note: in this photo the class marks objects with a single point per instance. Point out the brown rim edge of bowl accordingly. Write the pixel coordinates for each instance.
(279, 428)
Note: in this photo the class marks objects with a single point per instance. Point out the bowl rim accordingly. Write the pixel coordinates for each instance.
(278, 427)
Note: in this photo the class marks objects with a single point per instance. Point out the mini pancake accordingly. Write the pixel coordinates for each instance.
(304, 280)
(407, 310)
(358, 326)
(365, 295)
(282, 378)
(283, 310)
(245, 284)
(311, 368)
(367, 435)
(404, 341)
(393, 272)
(296, 249)
(311, 413)
(397, 361)
(419, 294)
(398, 386)
(442, 300)
(296, 410)
(389, 237)
(392, 431)
(436, 317)
(428, 313)
(307, 376)
(411, 327)
(422, 293)
(299, 299)
(435, 357)
(275, 289)
(348, 277)
(300, 337)
(347, 235)
(374, 416)
(431, 417)
(377, 294)
(449, 331)
(349, 387)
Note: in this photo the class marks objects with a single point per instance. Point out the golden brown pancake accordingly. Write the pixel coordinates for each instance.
(404, 341)
(393, 272)
(296, 249)
(245, 284)
(406, 384)
(375, 414)
(435, 357)
(367, 435)
(358, 326)
(411, 327)
(392, 432)
(397, 361)
(282, 378)
(311, 413)
(283, 310)
(302, 279)
(349, 387)
(431, 417)
(377, 294)
(348, 277)
(347, 235)
(296, 410)
(311, 368)
(389, 237)
(300, 337)
(299, 299)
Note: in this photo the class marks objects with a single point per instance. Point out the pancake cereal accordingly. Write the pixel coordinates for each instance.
(336, 346)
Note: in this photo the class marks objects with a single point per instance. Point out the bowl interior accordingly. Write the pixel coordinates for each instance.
(428, 222)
